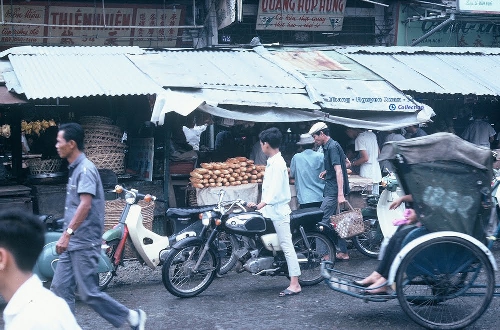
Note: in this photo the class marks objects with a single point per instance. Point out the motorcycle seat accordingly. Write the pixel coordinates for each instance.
(310, 215)
(187, 211)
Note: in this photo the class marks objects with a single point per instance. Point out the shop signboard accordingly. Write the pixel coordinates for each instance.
(460, 33)
(82, 24)
(301, 15)
(140, 157)
(479, 6)
(29, 34)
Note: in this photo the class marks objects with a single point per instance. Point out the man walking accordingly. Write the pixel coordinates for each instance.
(335, 176)
(80, 243)
(30, 306)
(305, 168)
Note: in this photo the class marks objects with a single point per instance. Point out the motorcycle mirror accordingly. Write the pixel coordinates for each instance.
(221, 196)
(118, 189)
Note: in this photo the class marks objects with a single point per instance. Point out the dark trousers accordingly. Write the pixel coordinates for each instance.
(392, 250)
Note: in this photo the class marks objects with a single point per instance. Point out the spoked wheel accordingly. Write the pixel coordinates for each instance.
(445, 283)
(178, 275)
(310, 261)
(227, 245)
(106, 277)
(369, 242)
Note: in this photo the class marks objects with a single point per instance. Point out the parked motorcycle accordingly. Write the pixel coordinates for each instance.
(149, 247)
(47, 260)
(369, 243)
(191, 265)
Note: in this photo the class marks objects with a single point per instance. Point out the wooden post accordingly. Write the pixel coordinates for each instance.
(15, 114)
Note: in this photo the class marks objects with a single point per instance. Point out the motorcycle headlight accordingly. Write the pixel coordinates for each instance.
(130, 197)
(205, 218)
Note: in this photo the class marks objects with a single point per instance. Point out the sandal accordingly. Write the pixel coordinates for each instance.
(287, 292)
(342, 256)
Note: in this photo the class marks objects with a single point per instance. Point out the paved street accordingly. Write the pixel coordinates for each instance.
(242, 301)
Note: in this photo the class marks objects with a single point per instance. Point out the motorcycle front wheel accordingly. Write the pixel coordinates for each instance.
(321, 249)
(178, 275)
(106, 277)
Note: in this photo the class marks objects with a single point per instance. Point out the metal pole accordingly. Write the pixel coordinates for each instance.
(434, 30)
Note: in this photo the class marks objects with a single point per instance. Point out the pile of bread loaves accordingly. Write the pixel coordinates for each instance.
(232, 172)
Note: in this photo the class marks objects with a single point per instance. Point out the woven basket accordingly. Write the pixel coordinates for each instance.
(41, 166)
(102, 134)
(113, 212)
(95, 120)
(114, 161)
(105, 149)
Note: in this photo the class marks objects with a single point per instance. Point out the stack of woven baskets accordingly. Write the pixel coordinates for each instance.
(103, 144)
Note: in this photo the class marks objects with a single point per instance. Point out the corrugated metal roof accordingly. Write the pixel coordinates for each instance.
(440, 73)
(72, 50)
(415, 50)
(350, 86)
(77, 75)
(212, 68)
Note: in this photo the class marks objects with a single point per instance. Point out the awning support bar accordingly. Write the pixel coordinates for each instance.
(434, 30)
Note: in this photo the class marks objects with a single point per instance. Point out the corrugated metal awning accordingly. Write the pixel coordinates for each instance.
(433, 70)
(68, 75)
(7, 98)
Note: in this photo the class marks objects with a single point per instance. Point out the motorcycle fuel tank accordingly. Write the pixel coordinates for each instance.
(249, 222)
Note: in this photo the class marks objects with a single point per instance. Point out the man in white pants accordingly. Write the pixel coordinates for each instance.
(274, 203)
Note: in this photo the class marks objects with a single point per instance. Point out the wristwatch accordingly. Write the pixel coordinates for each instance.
(70, 231)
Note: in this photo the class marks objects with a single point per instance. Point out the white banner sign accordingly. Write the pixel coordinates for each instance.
(479, 6)
(301, 15)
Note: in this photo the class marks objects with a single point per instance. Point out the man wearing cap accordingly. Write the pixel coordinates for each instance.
(335, 176)
(306, 168)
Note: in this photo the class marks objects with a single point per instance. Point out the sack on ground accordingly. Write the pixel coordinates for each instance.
(348, 223)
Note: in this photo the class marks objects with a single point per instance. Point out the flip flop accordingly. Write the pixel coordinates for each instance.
(361, 284)
(342, 257)
(287, 292)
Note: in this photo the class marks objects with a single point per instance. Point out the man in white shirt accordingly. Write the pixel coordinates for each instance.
(275, 203)
(30, 305)
(366, 143)
(479, 131)
(193, 135)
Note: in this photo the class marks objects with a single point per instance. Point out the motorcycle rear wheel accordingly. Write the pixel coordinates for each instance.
(177, 272)
(369, 242)
(322, 249)
(227, 244)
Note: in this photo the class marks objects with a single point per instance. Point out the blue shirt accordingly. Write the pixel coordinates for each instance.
(276, 189)
(84, 179)
(305, 168)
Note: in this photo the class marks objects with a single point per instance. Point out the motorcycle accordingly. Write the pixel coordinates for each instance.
(192, 264)
(146, 245)
(150, 248)
(371, 241)
(47, 260)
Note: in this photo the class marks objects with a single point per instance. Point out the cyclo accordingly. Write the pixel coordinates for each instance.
(443, 276)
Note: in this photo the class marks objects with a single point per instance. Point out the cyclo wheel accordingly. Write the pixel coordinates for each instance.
(370, 241)
(227, 245)
(445, 283)
(177, 272)
(321, 249)
(106, 277)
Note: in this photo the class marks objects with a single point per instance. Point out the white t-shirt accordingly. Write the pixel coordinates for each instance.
(33, 307)
(193, 135)
(371, 169)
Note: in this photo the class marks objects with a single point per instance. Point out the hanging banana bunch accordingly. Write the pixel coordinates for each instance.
(36, 127)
